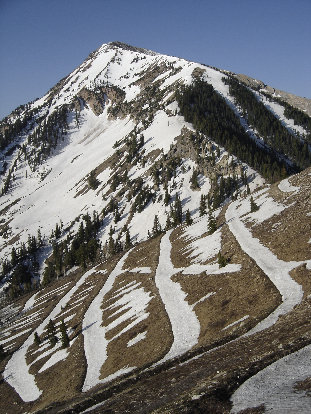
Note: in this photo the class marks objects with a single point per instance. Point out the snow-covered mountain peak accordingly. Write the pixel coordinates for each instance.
(142, 224)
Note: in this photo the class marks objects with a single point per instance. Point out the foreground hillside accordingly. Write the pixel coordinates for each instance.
(179, 322)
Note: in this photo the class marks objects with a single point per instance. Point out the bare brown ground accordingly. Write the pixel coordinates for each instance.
(287, 234)
(71, 371)
(157, 326)
(304, 385)
(233, 295)
(302, 276)
(146, 254)
(214, 374)
(65, 378)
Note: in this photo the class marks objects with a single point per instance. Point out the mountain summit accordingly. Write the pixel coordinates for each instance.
(155, 241)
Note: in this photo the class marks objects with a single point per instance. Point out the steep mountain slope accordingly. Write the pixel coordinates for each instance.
(135, 209)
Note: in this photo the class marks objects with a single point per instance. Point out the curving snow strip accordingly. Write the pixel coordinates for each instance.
(95, 342)
(184, 322)
(277, 270)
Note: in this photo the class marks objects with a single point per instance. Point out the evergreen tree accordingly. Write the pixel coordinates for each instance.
(212, 225)
(40, 241)
(168, 224)
(92, 180)
(167, 197)
(64, 335)
(194, 179)
(117, 215)
(49, 274)
(111, 246)
(254, 206)
(2, 353)
(177, 212)
(201, 105)
(37, 340)
(156, 229)
(14, 258)
(51, 331)
(188, 218)
(128, 243)
(222, 261)
(202, 206)
(57, 232)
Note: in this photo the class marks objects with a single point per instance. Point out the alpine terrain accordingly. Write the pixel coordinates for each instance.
(155, 235)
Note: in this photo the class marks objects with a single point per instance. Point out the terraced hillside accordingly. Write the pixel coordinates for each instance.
(170, 313)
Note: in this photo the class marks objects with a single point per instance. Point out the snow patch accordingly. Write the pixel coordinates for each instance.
(95, 342)
(206, 247)
(140, 270)
(274, 386)
(56, 357)
(286, 187)
(16, 372)
(137, 339)
(236, 322)
(268, 207)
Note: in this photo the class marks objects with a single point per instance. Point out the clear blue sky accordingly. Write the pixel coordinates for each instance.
(43, 41)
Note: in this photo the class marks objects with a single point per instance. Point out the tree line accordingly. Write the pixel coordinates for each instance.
(268, 126)
(201, 105)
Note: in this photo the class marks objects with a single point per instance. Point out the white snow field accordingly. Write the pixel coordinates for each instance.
(274, 386)
(277, 270)
(205, 248)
